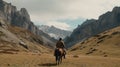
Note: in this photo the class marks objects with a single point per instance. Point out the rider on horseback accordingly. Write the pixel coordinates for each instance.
(60, 44)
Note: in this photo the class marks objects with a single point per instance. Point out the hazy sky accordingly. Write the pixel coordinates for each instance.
(64, 14)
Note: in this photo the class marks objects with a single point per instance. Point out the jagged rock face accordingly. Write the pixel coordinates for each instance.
(1, 5)
(87, 29)
(1, 9)
(19, 18)
(92, 27)
(110, 19)
(7, 10)
(84, 29)
(22, 19)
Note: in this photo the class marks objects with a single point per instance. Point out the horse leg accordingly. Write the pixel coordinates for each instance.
(56, 58)
(60, 59)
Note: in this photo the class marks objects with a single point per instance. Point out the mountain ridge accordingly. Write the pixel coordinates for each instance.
(92, 27)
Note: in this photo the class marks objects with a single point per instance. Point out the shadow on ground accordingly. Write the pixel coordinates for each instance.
(47, 64)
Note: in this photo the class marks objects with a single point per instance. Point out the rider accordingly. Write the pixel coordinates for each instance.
(60, 44)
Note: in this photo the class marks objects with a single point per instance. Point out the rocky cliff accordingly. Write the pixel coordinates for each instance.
(92, 27)
(21, 19)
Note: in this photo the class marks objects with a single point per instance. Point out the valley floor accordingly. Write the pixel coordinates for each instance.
(48, 60)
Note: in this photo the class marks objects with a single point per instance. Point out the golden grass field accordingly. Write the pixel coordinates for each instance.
(48, 60)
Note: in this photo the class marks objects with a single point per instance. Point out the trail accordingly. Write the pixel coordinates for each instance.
(48, 60)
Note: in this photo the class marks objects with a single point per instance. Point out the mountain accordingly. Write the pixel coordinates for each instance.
(106, 44)
(92, 27)
(21, 18)
(14, 39)
(54, 32)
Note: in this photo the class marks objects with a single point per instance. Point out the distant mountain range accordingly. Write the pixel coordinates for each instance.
(54, 32)
(93, 27)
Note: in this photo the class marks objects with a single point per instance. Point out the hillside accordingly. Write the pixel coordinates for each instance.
(93, 27)
(54, 32)
(106, 44)
(15, 39)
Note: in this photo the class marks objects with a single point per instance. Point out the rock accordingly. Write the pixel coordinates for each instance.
(23, 45)
(3, 24)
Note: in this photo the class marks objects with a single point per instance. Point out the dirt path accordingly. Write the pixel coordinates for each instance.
(47, 60)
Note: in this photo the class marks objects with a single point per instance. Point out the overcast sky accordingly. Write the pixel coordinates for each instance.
(64, 14)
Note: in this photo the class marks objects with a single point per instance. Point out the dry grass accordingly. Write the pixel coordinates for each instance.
(47, 60)
(106, 44)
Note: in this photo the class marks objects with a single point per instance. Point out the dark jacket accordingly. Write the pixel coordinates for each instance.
(60, 44)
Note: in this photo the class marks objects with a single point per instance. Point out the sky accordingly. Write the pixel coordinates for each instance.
(64, 14)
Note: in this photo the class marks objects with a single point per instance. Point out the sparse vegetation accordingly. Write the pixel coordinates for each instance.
(114, 33)
(105, 55)
(104, 36)
(74, 49)
(100, 41)
(82, 42)
(96, 35)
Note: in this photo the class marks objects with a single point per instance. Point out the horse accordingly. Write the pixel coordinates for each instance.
(58, 55)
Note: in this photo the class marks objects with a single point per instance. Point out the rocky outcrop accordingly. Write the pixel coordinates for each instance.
(92, 27)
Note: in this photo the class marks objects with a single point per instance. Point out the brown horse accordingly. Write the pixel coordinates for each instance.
(58, 55)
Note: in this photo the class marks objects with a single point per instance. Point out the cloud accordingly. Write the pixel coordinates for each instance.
(60, 25)
(49, 9)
